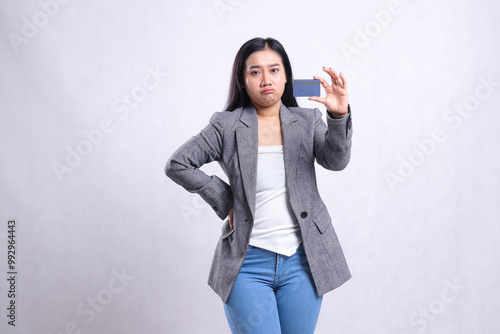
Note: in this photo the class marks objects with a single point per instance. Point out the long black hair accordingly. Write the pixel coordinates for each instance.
(238, 96)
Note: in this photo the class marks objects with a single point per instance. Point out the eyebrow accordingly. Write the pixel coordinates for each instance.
(258, 66)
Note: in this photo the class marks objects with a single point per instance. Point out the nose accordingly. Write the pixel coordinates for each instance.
(265, 79)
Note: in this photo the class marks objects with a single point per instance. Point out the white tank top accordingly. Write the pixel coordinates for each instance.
(274, 228)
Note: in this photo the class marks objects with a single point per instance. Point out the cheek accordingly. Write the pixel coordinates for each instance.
(251, 86)
(248, 82)
(283, 83)
(282, 80)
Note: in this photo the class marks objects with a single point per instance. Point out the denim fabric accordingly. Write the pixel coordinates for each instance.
(273, 294)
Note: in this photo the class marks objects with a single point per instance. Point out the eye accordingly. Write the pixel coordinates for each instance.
(254, 72)
(275, 70)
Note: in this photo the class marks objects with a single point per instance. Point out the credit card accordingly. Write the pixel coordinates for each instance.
(305, 87)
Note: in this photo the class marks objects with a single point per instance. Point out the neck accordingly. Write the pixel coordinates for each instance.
(268, 111)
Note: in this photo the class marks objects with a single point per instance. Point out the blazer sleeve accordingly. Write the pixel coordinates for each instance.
(332, 141)
(183, 167)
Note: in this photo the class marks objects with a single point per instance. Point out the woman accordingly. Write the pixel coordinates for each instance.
(278, 252)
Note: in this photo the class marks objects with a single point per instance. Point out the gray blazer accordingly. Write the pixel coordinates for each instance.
(231, 139)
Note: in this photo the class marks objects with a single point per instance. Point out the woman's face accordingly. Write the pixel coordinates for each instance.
(265, 78)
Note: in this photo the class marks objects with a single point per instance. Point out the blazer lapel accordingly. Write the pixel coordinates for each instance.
(247, 139)
(291, 141)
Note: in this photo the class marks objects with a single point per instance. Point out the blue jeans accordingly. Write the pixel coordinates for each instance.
(273, 294)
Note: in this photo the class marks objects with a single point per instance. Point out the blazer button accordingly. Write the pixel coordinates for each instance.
(215, 208)
(303, 214)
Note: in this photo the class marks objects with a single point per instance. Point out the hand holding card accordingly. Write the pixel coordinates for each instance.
(335, 101)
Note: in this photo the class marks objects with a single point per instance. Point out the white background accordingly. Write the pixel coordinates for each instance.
(435, 225)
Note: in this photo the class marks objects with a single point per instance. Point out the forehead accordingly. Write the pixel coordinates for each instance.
(264, 57)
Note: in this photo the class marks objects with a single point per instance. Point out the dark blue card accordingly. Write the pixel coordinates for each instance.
(306, 88)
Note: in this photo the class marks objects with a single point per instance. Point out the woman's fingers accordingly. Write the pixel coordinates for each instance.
(330, 73)
(338, 80)
(318, 99)
(344, 81)
(324, 83)
(336, 93)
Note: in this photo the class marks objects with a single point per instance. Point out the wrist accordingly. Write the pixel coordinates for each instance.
(339, 115)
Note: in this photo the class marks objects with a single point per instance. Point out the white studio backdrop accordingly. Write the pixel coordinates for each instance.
(96, 95)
